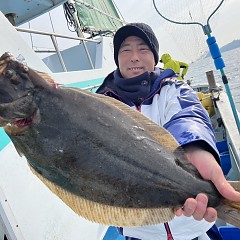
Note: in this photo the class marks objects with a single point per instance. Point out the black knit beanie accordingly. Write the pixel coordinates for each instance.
(140, 30)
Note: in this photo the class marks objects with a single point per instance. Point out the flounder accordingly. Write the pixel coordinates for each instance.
(107, 162)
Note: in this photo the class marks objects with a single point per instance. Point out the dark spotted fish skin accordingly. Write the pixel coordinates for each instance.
(94, 147)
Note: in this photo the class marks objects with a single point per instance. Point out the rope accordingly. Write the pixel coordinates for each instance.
(68, 10)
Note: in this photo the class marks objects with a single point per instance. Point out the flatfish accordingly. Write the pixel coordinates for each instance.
(107, 162)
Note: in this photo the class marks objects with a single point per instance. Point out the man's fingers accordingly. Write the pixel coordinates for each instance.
(198, 209)
(201, 207)
(227, 191)
(189, 207)
(211, 170)
(210, 215)
(224, 188)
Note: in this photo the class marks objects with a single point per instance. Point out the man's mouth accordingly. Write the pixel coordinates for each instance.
(135, 68)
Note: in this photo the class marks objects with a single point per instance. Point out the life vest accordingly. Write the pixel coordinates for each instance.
(206, 100)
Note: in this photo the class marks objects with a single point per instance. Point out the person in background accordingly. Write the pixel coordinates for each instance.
(173, 105)
(180, 68)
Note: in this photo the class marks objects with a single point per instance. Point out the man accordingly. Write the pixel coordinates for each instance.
(173, 105)
(180, 68)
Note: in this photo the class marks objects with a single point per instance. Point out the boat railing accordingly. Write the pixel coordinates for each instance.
(91, 88)
(53, 37)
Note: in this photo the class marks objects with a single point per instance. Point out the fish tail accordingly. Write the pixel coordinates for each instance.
(229, 211)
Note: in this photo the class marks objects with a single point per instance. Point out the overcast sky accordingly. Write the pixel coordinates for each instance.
(226, 25)
(178, 40)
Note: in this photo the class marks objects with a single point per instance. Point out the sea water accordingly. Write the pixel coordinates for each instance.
(197, 72)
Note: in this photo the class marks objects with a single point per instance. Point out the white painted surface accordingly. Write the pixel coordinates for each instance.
(11, 41)
(38, 213)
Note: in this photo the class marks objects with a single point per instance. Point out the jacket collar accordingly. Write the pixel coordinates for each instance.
(133, 90)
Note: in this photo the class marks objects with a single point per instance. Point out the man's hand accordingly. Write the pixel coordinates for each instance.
(209, 169)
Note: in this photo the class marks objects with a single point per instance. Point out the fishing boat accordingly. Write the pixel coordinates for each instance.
(28, 210)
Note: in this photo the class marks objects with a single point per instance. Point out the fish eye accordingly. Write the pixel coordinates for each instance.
(9, 73)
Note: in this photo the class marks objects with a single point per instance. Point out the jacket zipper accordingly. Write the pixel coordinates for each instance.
(169, 234)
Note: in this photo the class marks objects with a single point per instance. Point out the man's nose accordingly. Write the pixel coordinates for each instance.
(134, 56)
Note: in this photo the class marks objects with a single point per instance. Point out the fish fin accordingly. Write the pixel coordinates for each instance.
(105, 214)
(229, 211)
(235, 185)
(11, 131)
(19, 152)
(46, 77)
(3, 66)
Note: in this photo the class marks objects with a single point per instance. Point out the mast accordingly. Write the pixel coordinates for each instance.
(78, 29)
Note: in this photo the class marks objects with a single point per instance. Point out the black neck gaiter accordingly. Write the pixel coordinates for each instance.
(135, 89)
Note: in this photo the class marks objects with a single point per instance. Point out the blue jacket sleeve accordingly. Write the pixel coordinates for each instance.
(192, 124)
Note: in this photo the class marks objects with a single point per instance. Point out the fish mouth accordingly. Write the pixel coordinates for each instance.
(21, 125)
(20, 112)
(24, 121)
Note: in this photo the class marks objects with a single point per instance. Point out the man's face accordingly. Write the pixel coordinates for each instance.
(135, 57)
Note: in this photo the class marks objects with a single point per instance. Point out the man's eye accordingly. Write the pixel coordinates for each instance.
(125, 50)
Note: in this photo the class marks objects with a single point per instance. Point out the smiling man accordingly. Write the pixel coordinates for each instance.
(135, 57)
(172, 104)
